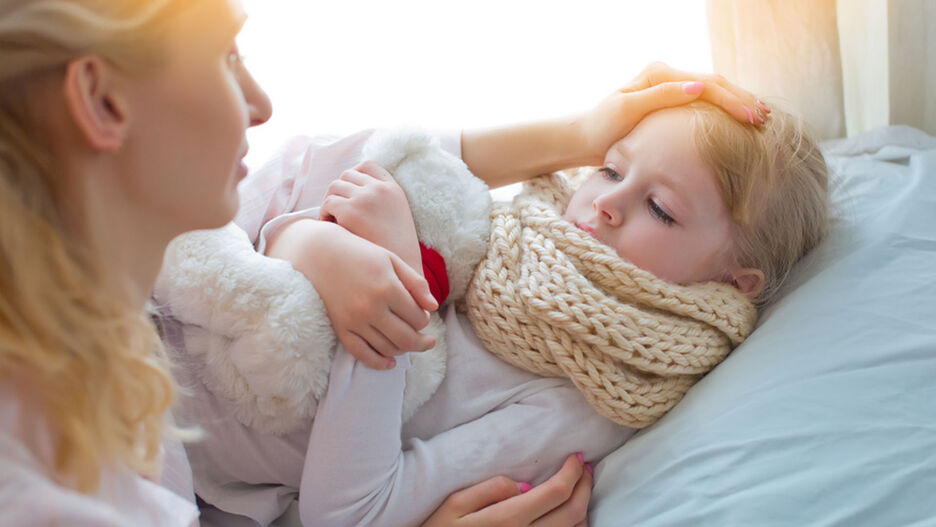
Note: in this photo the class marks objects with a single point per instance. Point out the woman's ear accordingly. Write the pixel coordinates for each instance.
(94, 105)
(748, 280)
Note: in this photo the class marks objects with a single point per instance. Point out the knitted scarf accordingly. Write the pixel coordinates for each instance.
(550, 299)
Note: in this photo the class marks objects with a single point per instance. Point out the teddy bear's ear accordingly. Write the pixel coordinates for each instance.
(451, 207)
(389, 147)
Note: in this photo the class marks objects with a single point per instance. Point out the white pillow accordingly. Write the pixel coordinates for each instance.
(826, 415)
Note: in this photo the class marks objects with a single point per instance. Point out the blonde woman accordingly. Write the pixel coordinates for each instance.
(121, 126)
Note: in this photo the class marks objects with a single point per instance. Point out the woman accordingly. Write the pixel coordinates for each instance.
(121, 126)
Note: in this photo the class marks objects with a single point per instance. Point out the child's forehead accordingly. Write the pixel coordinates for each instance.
(662, 136)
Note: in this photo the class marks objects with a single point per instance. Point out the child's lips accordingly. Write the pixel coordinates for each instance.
(588, 228)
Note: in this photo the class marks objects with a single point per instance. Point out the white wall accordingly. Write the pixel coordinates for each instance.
(333, 67)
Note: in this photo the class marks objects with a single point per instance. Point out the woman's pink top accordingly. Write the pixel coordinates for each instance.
(30, 496)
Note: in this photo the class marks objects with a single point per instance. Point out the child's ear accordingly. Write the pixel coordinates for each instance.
(748, 280)
(94, 106)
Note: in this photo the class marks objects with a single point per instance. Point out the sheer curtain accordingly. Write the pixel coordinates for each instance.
(846, 65)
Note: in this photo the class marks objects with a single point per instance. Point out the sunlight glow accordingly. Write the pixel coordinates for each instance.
(334, 67)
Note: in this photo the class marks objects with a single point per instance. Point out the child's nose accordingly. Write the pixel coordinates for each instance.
(611, 207)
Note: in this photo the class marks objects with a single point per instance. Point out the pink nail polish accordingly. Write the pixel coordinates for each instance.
(750, 117)
(763, 106)
(694, 87)
(524, 487)
(580, 457)
(589, 468)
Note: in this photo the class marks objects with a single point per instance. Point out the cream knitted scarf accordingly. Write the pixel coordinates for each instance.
(550, 299)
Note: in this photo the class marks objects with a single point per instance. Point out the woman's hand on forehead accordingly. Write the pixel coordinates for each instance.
(739, 103)
(658, 86)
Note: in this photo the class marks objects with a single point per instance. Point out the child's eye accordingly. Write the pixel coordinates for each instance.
(661, 214)
(610, 174)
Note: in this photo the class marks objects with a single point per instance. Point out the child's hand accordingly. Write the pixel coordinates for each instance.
(660, 86)
(367, 201)
(375, 301)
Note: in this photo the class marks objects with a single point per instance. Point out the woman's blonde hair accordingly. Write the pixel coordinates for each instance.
(774, 181)
(95, 363)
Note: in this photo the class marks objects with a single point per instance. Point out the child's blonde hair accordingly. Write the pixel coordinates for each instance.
(96, 363)
(774, 181)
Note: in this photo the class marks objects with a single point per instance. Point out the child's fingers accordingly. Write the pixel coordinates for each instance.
(361, 351)
(340, 187)
(356, 177)
(333, 207)
(404, 307)
(402, 335)
(378, 341)
(371, 168)
(415, 284)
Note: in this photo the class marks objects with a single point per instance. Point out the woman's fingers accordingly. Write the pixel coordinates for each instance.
(741, 108)
(542, 499)
(477, 497)
(663, 96)
(575, 510)
(560, 501)
(738, 102)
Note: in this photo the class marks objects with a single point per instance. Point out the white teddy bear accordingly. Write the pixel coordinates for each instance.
(256, 331)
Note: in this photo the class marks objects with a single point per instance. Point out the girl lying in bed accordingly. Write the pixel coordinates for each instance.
(590, 314)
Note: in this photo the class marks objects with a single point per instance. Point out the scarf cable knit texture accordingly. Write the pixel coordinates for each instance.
(552, 300)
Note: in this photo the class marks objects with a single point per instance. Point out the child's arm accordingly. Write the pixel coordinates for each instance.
(375, 301)
(510, 154)
(357, 472)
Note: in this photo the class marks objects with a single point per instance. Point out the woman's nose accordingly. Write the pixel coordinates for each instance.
(259, 107)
